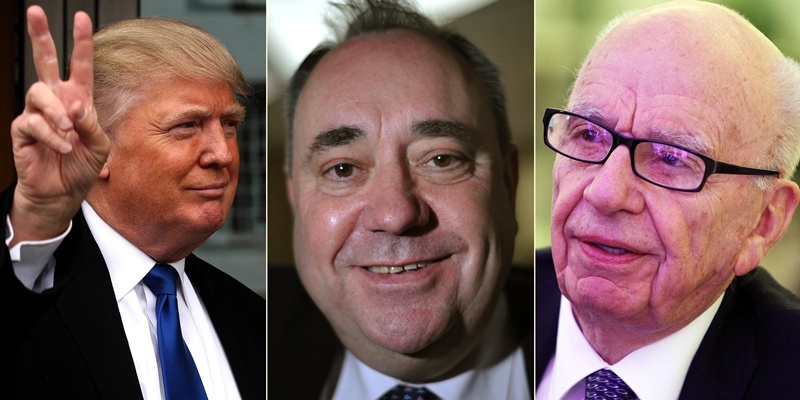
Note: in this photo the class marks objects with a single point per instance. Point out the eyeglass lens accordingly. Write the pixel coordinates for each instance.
(659, 163)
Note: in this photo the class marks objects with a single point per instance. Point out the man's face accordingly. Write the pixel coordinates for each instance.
(626, 250)
(174, 165)
(397, 167)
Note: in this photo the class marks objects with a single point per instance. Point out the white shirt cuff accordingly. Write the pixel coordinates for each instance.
(33, 260)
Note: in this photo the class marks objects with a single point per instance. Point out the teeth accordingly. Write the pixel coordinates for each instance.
(383, 269)
(612, 250)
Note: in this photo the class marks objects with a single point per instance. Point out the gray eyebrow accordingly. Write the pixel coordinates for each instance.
(687, 140)
(336, 137)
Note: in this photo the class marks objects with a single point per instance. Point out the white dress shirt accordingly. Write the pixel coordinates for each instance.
(34, 266)
(503, 380)
(653, 372)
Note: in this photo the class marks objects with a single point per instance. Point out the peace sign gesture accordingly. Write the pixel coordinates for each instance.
(59, 147)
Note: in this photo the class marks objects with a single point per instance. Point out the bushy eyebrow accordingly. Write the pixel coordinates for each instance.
(344, 135)
(336, 137)
(445, 129)
(688, 141)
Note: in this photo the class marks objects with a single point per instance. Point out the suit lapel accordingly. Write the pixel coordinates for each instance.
(88, 308)
(727, 356)
(239, 318)
(548, 303)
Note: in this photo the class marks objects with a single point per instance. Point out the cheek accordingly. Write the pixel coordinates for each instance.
(322, 224)
(568, 187)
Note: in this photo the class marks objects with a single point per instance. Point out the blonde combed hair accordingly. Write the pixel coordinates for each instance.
(129, 55)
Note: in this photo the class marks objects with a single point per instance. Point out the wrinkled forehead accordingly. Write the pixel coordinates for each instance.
(401, 71)
(697, 66)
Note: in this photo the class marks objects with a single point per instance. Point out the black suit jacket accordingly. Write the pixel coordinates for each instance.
(69, 342)
(304, 350)
(750, 351)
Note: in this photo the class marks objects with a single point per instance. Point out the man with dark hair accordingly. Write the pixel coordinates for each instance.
(402, 179)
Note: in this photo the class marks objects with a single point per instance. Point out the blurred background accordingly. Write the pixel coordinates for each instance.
(502, 28)
(564, 33)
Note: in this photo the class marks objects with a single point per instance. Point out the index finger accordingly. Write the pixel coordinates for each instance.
(44, 49)
(82, 61)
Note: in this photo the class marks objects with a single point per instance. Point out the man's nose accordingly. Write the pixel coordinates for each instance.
(614, 186)
(219, 148)
(395, 202)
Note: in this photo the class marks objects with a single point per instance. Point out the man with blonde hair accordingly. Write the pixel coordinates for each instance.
(673, 179)
(123, 170)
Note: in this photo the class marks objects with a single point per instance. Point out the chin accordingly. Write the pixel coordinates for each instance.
(407, 332)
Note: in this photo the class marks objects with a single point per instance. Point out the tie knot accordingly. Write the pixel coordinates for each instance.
(161, 279)
(605, 384)
(403, 392)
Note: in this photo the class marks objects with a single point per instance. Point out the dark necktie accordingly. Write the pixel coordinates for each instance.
(181, 379)
(403, 392)
(604, 384)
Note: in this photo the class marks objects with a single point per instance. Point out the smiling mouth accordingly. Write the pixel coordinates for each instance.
(610, 250)
(397, 269)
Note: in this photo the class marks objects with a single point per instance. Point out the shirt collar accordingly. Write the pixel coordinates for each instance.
(361, 381)
(126, 263)
(669, 357)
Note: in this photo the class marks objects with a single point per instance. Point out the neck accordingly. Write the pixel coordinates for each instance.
(160, 244)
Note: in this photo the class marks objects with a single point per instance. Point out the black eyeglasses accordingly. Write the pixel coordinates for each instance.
(660, 163)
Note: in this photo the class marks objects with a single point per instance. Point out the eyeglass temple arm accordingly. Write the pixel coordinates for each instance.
(725, 168)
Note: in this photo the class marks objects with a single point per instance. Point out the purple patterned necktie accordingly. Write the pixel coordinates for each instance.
(403, 392)
(604, 384)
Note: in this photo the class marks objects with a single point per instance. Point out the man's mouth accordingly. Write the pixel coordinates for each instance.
(397, 269)
(611, 250)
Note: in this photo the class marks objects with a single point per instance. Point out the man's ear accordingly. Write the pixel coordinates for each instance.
(105, 171)
(774, 222)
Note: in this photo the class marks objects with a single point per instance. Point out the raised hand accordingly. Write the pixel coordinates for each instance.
(59, 147)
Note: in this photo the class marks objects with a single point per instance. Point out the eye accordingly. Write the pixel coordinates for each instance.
(184, 130)
(589, 132)
(671, 156)
(185, 125)
(341, 171)
(442, 160)
(445, 161)
(230, 127)
(445, 168)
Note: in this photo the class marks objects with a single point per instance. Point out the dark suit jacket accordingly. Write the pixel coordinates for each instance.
(750, 351)
(69, 342)
(303, 350)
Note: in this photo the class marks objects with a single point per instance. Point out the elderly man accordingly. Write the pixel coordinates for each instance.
(402, 181)
(672, 182)
(123, 170)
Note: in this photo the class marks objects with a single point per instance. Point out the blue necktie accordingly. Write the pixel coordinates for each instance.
(403, 392)
(181, 379)
(604, 384)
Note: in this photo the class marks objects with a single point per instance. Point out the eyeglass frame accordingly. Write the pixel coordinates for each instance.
(712, 166)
